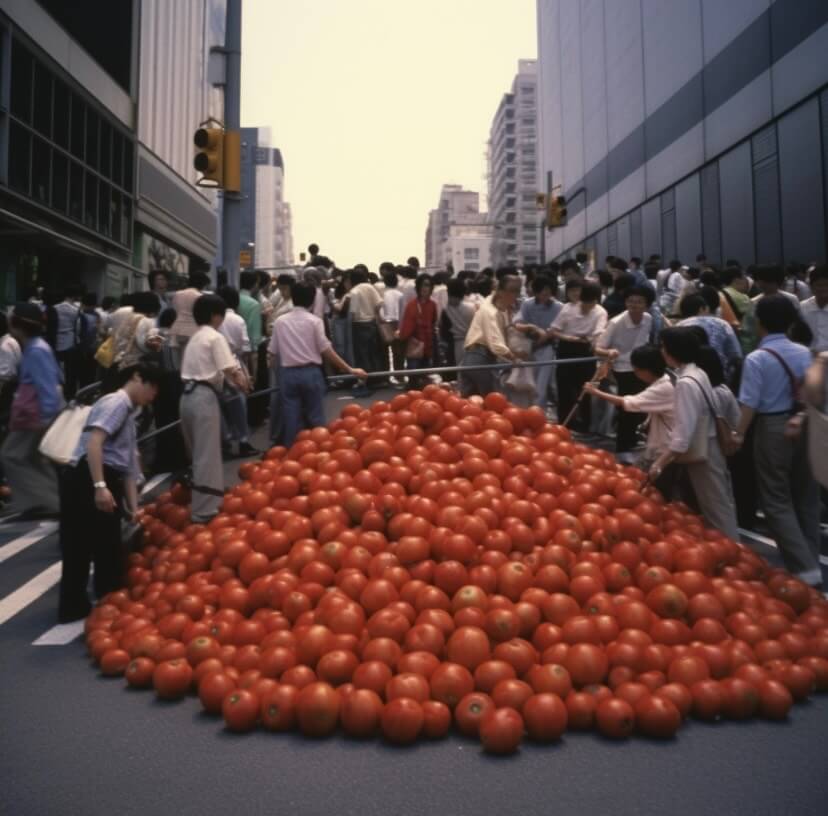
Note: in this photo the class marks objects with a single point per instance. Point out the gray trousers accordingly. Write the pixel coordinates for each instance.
(714, 492)
(32, 477)
(201, 427)
(789, 495)
(479, 382)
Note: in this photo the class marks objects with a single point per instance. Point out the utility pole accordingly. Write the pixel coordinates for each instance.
(231, 204)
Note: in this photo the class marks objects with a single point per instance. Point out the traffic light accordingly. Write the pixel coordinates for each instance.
(556, 213)
(232, 161)
(209, 156)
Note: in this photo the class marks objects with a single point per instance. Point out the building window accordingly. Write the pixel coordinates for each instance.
(471, 253)
(66, 155)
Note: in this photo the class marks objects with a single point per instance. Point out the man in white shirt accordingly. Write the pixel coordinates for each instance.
(576, 328)
(625, 333)
(815, 309)
(234, 405)
(67, 315)
(390, 314)
(206, 362)
(769, 279)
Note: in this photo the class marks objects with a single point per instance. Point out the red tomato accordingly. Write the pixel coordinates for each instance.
(172, 679)
(317, 709)
(402, 720)
(615, 718)
(240, 709)
(545, 716)
(450, 682)
(501, 731)
(436, 719)
(139, 672)
(278, 708)
(470, 711)
(213, 689)
(361, 712)
(657, 717)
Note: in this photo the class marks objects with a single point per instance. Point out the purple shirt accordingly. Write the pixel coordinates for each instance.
(298, 339)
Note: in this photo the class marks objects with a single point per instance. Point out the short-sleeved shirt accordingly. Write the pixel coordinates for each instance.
(657, 401)
(816, 317)
(766, 386)
(250, 311)
(694, 396)
(9, 358)
(571, 320)
(234, 328)
(113, 414)
(364, 299)
(721, 338)
(298, 339)
(206, 357)
(67, 314)
(623, 335)
(391, 304)
(539, 314)
(182, 302)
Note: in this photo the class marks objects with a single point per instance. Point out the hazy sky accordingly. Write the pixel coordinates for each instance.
(375, 104)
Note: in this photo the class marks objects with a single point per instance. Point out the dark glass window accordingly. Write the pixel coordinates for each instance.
(117, 216)
(117, 157)
(126, 219)
(41, 171)
(128, 165)
(42, 119)
(78, 127)
(105, 166)
(90, 209)
(60, 131)
(76, 175)
(22, 68)
(60, 181)
(104, 196)
(20, 158)
(92, 148)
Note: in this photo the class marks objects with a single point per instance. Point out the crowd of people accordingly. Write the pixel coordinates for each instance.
(694, 370)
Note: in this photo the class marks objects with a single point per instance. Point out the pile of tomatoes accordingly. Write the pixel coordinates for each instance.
(435, 561)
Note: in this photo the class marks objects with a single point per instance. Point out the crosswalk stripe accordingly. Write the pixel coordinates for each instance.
(29, 592)
(19, 544)
(60, 635)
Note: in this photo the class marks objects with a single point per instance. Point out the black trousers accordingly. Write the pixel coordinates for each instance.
(570, 379)
(88, 536)
(628, 384)
(367, 348)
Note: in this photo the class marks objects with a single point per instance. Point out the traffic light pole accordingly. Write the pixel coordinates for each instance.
(231, 204)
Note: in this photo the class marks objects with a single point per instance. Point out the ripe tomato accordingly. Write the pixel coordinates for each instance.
(278, 708)
(615, 718)
(586, 663)
(545, 716)
(449, 683)
(114, 662)
(212, 690)
(470, 711)
(317, 709)
(240, 710)
(657, 717)
(436, 719)
(402, 720)
(361, 713)
(501, 731)
(468, 646)
(172, 679)
(139, 672)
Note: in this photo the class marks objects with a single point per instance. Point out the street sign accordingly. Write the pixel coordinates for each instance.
(245, 258)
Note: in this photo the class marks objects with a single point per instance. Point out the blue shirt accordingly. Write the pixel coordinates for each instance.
(766, 386)
(38, 367)
(721, 338)
(537, 314)
(112, 414)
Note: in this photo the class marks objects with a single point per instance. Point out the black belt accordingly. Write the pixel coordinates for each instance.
(191, 385)
(304, 365)
(777, 413)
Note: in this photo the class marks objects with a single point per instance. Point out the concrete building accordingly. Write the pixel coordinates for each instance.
(99, 101)
(265, 215)
(456, 205)
(513, 187)
(694, 126)
(469, 245)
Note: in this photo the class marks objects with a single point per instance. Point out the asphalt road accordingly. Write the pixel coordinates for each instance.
(76, 742)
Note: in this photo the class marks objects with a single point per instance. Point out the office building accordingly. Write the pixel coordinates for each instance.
(694, 126)
(513, 172)
(456, 206)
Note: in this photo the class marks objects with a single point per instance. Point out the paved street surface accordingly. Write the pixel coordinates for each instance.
(74, 742)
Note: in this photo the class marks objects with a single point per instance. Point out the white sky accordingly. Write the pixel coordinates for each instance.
(375, 104)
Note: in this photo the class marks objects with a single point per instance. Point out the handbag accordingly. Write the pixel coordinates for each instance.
(414, 347)
(25, 409)
(105, 355)
(60, 441)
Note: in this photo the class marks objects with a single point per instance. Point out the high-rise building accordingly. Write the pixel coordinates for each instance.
(686, 127)
(513, 172)
(456, 206)
(266, 224)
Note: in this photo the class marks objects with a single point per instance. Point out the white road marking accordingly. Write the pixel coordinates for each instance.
(823, 559)
(29, 592)
(60, 635)
(19, 544)
(154, 482)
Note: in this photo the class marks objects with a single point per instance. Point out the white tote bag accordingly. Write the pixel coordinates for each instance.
(60, 441)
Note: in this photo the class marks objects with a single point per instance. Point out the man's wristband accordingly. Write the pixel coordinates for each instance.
(99, 485)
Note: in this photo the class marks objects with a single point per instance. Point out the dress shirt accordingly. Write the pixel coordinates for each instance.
(766, 386)
(571, 320)
(114, 414)
(816, 317)
(797, 287)
(182, 302)
(792, 298)
(206, 357)
(440, 297)
(391, 304)
(538, 314)
(298, 339)
(38, 367)
(623, 335)
(671, 290)
(250, 311)
(234, 329)
(720, 337)
(281, 305)
(657, 401)
(9, 358)
(691, 406)
(488, 328)
(67, 314)
(364, 299)
(459, 316)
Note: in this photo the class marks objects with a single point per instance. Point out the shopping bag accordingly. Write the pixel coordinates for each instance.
(60, 441)
(105, 355)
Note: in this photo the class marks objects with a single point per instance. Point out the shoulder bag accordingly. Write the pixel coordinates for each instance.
(699, 447)
(105, 355)
(414, 347)
(796, 397)
(60, 441)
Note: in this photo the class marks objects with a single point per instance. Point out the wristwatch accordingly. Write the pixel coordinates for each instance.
(98, 485)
